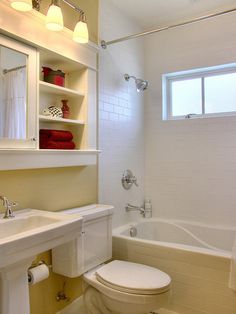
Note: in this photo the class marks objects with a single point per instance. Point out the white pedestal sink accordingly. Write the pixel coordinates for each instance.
(21, 239)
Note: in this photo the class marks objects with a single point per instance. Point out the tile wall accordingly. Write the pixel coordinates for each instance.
(121, 114)
(190, 164)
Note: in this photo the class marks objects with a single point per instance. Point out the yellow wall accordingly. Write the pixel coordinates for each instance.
(55, 189)
(43, 294)
(90, 7)
(51, 189)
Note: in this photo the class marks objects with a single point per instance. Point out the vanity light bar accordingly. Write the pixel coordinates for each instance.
(80, 34)
(54, 18)
(73, 6)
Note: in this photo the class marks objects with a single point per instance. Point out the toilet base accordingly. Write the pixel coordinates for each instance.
(98, 303)
(94, 303)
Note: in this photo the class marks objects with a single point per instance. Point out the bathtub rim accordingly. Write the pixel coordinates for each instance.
(116, 233)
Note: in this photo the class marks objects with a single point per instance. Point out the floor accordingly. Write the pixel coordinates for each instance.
(78, 307)
(164, 311)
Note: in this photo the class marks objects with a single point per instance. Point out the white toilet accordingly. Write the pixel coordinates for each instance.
(117, 287)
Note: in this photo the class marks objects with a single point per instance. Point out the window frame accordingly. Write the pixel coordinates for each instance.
(202, 73)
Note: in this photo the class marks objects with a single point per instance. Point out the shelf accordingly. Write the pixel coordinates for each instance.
(60, 120)
(59, 90)
(44, 158)
(55, 60)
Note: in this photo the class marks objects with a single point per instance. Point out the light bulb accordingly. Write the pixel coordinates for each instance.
(54, 19)
(80, 34)
(21, 5)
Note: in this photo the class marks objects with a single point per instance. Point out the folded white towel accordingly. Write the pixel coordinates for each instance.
(232, 276)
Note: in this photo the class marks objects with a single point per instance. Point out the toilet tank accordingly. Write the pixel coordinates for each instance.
(91, 248)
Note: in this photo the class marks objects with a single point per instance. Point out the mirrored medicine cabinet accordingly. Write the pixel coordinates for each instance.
(18, 94)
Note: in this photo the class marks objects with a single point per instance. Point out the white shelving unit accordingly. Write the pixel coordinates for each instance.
(79, 92)
(79, 62)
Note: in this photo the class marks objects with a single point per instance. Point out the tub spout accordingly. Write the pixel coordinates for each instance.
(130, 208)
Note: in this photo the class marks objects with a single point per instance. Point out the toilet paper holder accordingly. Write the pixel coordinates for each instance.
(36, 264)
(41, 262)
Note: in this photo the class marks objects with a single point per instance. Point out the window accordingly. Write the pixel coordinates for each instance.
(199, 93)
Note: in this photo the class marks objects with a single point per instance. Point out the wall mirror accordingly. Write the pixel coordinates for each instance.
(18, 94)
(13, 87)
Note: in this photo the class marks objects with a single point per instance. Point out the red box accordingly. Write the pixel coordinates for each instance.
(54, 77)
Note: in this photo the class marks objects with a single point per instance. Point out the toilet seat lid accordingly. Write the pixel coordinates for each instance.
(133, 278)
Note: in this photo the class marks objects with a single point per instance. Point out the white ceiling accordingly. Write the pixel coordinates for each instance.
(155, 13)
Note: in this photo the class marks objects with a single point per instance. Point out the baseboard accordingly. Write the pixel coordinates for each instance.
(76, 307)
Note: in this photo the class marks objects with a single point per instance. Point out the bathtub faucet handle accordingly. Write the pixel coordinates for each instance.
(134, 179)
(128, 179)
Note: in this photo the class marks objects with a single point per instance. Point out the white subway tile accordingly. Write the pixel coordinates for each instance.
(108, 107)
(113, 117)
(103, 115)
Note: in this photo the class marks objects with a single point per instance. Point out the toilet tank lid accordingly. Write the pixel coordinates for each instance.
(92, 211)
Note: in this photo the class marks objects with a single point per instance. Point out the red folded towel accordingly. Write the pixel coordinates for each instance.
(55, 135)
(56, 145)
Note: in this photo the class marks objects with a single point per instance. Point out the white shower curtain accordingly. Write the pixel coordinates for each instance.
(14, 101)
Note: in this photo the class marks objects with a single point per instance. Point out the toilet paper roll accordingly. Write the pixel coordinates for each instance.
(37, 274)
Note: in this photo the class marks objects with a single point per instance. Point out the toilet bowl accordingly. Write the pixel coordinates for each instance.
(127, 288)
(118, 287)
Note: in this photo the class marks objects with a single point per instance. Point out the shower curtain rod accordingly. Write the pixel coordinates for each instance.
(104, 43)
(14, 69)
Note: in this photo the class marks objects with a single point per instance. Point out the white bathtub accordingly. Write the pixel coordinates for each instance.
(183, 235)
(196, 256)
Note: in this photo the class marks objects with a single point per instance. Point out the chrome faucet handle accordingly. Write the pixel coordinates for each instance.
(8, 205)
(5, 200)
(134, 180)
(128, 179)
(11, 203)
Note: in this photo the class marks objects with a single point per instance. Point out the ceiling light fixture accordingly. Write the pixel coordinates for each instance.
(54, 18)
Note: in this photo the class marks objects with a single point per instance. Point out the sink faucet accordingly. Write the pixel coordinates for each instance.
(8, 204)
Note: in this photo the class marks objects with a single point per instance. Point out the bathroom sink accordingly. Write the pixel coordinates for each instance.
(15, 226)
(33, 231)
(29, 233)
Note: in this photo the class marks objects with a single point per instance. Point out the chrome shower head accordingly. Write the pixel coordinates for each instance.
(141, 85)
